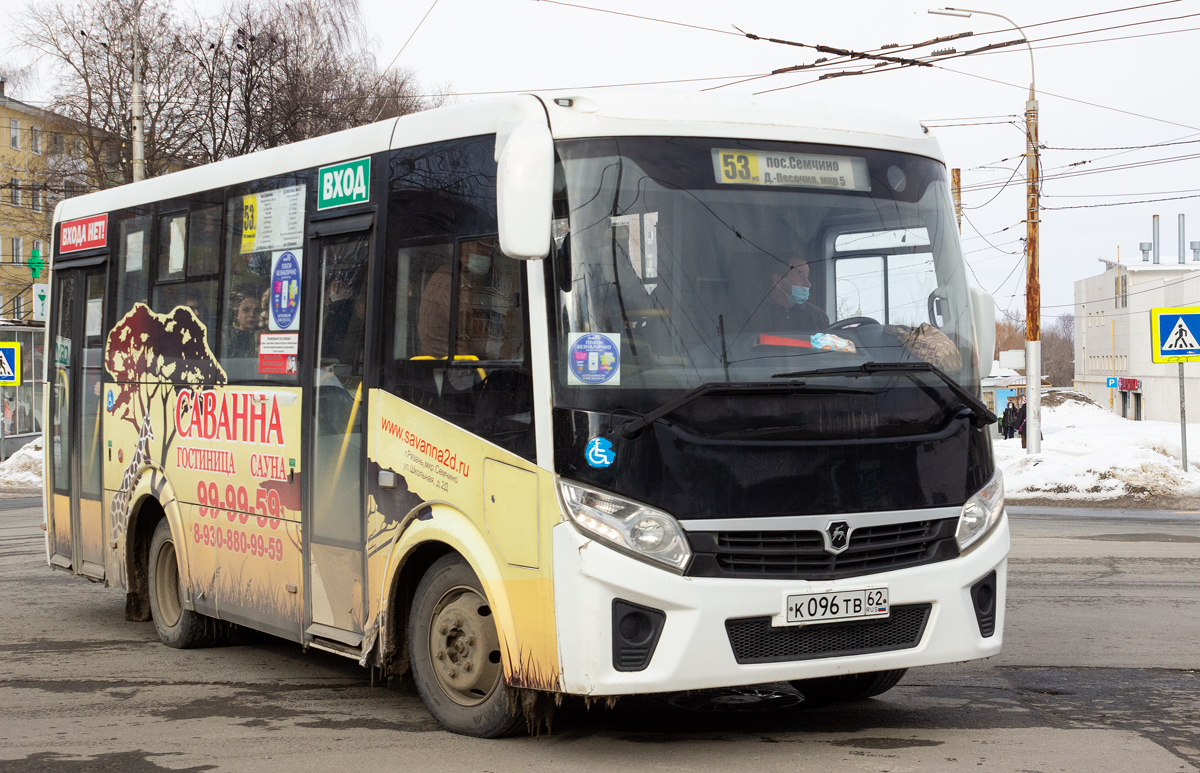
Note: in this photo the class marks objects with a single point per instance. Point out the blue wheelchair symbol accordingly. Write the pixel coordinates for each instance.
(110, 401)
(599, 452)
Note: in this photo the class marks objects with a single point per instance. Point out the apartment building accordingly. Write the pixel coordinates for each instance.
(42, 160)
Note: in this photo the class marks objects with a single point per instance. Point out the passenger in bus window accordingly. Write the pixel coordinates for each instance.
(194, 299)
(789, 305)
(243, 338)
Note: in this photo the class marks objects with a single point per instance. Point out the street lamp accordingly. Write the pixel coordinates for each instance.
(1033, 289)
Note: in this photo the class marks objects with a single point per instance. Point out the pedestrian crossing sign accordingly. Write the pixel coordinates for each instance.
(10, 364)
(1175, 332)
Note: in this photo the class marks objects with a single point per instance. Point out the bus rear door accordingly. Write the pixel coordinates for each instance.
(76, 520)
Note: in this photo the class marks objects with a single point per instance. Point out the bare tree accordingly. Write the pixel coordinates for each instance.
(1010, 332)
(1058, 350)
(90, 50)
(253, 75)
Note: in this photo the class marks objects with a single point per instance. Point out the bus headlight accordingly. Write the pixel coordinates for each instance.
(981, 513)
(638, 530)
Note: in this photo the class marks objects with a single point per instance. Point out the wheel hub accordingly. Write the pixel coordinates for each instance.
(464, 647)
(168, 589)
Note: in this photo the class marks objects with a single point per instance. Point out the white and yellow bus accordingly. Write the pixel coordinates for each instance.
(595, 395)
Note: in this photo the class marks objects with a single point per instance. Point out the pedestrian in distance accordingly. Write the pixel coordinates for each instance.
(1020, 419)
(1008, 422)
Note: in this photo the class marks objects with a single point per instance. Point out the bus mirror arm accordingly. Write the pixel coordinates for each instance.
(525, 190)
(983, 317)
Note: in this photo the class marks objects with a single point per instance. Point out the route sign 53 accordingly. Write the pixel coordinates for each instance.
(1173, 334)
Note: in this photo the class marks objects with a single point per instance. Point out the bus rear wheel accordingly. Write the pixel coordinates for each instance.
(177, 627)
(851, 687)
(455, 649)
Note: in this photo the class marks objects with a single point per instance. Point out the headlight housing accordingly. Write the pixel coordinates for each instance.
(981, 513)
(638, 530)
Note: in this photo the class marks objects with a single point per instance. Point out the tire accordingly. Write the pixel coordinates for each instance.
(852, 687)
(464, 688)
(177, 627)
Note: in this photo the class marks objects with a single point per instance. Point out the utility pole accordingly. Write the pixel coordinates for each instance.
(136, 102)
(956, 189)
(1033, 286)
(1033, 208)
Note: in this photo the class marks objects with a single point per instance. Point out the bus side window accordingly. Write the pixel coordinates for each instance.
(133, 260)
(487, 388)
(246, 265)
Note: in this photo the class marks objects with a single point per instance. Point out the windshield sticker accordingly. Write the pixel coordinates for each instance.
(793, 170)
(594, 359)
(285, 290)
(600, 452)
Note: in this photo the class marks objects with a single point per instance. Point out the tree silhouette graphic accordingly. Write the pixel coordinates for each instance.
(151, 355)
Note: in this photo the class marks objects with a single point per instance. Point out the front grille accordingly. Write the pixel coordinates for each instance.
(801, 555)
(755, 641)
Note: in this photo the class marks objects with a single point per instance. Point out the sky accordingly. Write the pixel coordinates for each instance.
(1114, 79)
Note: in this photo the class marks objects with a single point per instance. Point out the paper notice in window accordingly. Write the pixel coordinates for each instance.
(178, 245)
(133, 251)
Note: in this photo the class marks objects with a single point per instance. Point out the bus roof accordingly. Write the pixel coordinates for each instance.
(600, 113)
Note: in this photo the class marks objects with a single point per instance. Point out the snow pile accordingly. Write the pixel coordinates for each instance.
(23, 470)
(1090, 455)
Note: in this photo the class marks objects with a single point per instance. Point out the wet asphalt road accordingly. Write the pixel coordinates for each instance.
(1099, 672)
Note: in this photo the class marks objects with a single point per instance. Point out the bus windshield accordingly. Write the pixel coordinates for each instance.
(689, 261)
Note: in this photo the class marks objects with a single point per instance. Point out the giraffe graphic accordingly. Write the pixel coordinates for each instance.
(119, 510)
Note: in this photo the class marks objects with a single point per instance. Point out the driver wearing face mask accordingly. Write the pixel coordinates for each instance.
(789, 306)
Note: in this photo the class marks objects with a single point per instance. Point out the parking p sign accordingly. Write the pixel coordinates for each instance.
(10, 364)
(1174, 333)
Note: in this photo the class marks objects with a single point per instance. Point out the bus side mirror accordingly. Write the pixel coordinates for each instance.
(525, 190)
(983, 317)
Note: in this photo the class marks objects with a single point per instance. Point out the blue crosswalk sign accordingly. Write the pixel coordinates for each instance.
(1175, 334)
(10, 364)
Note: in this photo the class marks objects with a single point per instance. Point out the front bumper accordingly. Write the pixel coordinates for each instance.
(694, 650)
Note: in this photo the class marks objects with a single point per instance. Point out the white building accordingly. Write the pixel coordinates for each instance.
(1113, 338)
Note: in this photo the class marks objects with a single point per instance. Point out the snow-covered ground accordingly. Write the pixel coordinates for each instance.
(1090, 455)
(22, 472)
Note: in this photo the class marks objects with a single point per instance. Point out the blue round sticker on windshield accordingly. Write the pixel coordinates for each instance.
(600, 452)
(595, 358)
(285, 291)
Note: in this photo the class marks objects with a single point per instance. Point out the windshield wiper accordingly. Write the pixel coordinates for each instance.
(981, 413)
(635, 425)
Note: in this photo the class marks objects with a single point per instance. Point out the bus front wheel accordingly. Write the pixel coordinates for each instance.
(177, 627)
(851, 687)
(456, 653)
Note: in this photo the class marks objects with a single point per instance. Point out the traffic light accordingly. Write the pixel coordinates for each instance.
(36, 264)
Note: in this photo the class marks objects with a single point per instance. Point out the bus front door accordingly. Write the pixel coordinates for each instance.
(335, 517)
(76, 520)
